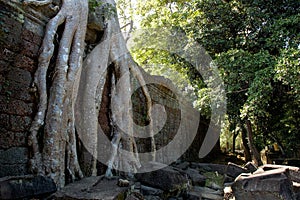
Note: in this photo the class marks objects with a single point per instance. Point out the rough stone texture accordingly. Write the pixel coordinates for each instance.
(234, 170)
(197, 179)
(251, 167)
(293, 171)
(270, 185)
(21, 33)
(21, 30)
(91, 188)
(167, 179)
(210, 167)
(24, 187)
(13, 161)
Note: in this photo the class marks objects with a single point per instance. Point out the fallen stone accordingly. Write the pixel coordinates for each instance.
(221, 169)
(197, 179)
(251, 167)
(270, 185)
(167, 179)
(150, 197)
(23, 187)
(183, 165)
(92, 188)
(135, 196)
(208, 193)
(151, 191)
(294, 171)
(194, 195)
(235, 170)
(228, 179)
(123, 183)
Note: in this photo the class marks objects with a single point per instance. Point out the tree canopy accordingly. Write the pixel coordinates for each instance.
(255, 45)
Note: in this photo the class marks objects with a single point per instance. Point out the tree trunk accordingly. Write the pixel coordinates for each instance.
(247, 153)
(55, 121)
(254, 152)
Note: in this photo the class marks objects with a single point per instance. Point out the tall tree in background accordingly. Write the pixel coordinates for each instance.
(256, 47)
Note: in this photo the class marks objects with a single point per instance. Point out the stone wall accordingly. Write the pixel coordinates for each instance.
(21, 32)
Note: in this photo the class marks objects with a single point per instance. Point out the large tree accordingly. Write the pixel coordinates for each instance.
(255, 45)
(53, 131)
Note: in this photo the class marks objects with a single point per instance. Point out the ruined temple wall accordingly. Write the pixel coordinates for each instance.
(21, 33)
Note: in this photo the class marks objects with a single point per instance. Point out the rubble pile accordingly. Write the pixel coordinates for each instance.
(180, 181)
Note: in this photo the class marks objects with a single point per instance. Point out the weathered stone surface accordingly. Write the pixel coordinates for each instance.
(4, 121)
(15, 155)
(10, 139)
(19, 75)
(183, 165)
(197, 179)
(235, 170)
(151, 191)
(16, 90)
(251, 167)
(150, 197)
(13, 170)
(210, 167)
(194, 195)
(15, 107)
(293, 171)
(167, 179)
(24, 187)
(209, 193)
(270, 185)
(91, 188)
(20, 123)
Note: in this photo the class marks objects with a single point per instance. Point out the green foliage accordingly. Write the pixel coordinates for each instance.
(106, 10)
(255, 44)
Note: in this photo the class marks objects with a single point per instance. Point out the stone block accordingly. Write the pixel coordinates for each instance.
(19, 75)
(251, 167)
(270, 185)
(92, 188)
(25, 63)
(31, 37)
(20, 123)
(13, 170)
(197, 179)
(30, 49)
(15, 107)
(151, 191)
(6, 55)
(210, 167)
(235, 170)
(293, 171)
(15, 155)
(25, 187)
(4, 121)
(170, 180)
(16, 90)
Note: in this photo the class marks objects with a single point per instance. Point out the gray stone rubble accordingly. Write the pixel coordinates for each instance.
(180, 181)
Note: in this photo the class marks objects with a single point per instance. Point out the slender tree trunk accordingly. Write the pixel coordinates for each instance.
(234, 141)
(254, 152)
(247, 153)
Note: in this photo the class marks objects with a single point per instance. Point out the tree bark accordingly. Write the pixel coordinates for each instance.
(56, 121)
(247, 153)
(254, 152)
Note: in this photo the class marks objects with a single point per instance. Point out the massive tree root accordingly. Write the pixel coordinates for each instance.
(111, 52)
(56, 111)
(54, 123)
